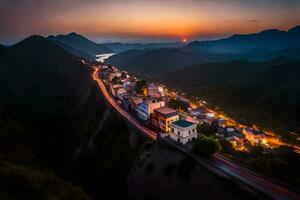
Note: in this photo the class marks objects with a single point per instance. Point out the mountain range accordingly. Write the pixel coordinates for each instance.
(268, 40)
(79, 45)
(118, 47)
(262, 46)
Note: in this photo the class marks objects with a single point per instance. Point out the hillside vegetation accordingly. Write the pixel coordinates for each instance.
(263, 93)
(49, 107)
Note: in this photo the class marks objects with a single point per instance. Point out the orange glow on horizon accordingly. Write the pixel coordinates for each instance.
(141, 19)
(157, 21)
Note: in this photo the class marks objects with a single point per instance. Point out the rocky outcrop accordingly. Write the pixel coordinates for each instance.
(161, 172)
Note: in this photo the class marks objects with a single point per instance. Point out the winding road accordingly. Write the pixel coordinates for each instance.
(217, 163)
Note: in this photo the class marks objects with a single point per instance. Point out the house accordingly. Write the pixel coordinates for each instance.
(113, 75)
(197, 112)
(253, 135)
(163, 117)
(120, 92)
(221, 122)
(126, 101)
(209, 118)
(155, 91)
(117, 90)
(113, 89)
(235, 136)
(183, 131)
(192, 119)
(129, 86)
(230, 129)
(237, 141)
(135, 101)
(145, 109)
(183, 99)
(210, 115)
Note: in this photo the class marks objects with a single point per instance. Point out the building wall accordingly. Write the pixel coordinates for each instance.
(165, 123)
(153, 106)
(186, 134)
(142, 111)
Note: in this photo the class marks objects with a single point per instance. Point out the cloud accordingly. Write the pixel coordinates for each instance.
(253, 21)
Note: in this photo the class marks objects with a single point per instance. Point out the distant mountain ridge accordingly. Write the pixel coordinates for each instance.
(271, 39)
(119, 47)
(262, 46)
(79, 45)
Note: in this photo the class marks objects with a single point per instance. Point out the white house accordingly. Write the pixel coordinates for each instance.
(183, 131)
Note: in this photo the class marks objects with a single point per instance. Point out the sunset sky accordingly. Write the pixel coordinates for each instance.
(141, 20)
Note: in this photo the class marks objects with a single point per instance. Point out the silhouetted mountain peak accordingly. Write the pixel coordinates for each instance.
(73, 34)
(76, 36)
(79, 43)
(270, 31)
(33, 41)
(37, 48)
(294, 30)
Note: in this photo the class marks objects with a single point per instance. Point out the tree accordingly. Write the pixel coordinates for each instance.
(227, 147)
(123, 74)
(141, 87)
(214, 126)
(178, 105)
(206, 146)
(116, 80)
(205, 129)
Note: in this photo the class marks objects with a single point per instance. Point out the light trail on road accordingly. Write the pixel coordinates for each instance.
(127, 116)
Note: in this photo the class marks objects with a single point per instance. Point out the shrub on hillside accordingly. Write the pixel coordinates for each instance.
(206, 146)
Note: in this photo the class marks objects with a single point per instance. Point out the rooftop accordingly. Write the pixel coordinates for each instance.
(255, 132)
(236, 133)
(183, 123)
(165, 110)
